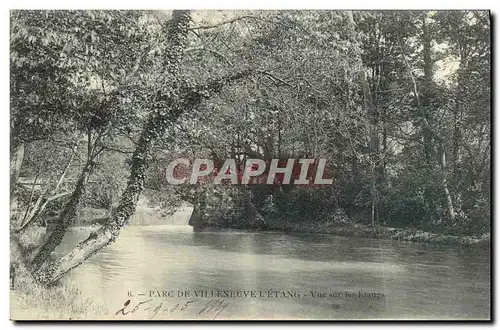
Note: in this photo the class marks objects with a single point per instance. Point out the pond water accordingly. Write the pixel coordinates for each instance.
(171, 272)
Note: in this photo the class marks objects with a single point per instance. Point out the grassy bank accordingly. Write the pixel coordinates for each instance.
(32, 301)
(61, 302)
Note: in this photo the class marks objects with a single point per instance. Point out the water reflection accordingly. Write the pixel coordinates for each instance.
(417, 280)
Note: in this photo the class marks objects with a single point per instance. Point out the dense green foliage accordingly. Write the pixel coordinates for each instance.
(397, 102)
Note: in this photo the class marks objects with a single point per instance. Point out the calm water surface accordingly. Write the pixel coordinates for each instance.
(418, 281)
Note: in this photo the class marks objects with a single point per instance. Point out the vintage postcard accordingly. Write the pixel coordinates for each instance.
(250, 165)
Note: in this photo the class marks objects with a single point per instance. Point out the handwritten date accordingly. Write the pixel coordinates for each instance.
(214, 307)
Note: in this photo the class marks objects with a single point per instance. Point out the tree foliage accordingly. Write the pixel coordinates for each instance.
(397, 102)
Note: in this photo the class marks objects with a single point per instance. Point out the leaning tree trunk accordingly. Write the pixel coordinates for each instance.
(66, 219)
(108, 233)
(176, 35)
(120, 216)
(156, 125)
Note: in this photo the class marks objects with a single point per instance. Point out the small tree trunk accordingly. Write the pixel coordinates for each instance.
(457, 114)
(108, 233)
(372, 123)
(44, 199)
(66, 219)
(18, 158)
(444, 183)
(424, 108)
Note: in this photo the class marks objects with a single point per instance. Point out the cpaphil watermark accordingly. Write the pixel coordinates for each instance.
(306, 171)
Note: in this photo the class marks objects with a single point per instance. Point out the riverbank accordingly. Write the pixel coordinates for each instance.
(62, 301)
(357, 230)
